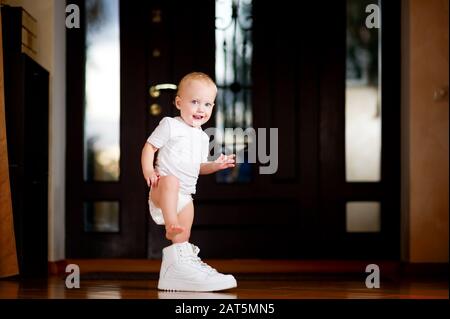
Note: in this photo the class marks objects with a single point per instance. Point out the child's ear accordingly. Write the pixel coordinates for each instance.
(177, 102)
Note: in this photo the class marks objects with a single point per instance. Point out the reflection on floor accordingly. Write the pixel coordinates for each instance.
(281, 286)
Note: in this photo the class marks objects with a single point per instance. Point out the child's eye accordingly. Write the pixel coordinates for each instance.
(195, 102)
(209, 105)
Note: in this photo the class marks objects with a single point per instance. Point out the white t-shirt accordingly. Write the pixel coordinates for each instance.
(181, 150)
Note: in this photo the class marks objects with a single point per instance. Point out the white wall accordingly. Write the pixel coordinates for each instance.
(51, 54)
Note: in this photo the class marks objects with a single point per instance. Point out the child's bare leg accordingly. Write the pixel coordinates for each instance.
(185, 219)
(165, 196)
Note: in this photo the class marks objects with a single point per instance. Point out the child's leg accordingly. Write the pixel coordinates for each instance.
(185, 219)
(165, 196)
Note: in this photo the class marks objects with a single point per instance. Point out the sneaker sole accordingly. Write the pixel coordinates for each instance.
(177, 285)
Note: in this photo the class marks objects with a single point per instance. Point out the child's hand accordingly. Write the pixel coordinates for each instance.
(225, 161)
(152, 179)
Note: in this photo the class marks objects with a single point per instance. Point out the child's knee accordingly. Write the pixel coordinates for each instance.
(170, 182)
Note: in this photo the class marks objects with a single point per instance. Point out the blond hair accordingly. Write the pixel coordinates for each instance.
(195, 76)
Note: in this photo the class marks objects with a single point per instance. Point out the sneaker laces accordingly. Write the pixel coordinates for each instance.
(194, 259)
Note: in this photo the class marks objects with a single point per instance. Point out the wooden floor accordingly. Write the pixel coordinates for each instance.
(260, 288)
(256, 280)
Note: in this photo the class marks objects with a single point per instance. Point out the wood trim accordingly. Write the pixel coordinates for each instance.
(388, 269)
(57, 267)
(235, 266)
(433, 270)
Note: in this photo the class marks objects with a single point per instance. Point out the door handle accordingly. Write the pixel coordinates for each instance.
(155, 109)
(155, 90)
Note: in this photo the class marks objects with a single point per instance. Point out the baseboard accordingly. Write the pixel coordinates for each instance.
(57, 267)
(389, 269)
(235, 266)
(425, 270)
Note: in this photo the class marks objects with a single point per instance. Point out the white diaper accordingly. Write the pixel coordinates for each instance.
(156, 212)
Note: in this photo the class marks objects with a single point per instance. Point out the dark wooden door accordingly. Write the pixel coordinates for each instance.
(260, 217)
(297, 86)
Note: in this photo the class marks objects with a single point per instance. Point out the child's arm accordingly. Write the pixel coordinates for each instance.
(223, 162)
(148, 154)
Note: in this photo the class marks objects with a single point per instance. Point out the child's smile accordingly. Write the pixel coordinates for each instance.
(198, 117)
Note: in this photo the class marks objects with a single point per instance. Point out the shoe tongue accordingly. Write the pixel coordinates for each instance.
(195, 249)
(188, 249)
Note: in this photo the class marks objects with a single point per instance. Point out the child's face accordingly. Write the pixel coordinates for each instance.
(195, 102)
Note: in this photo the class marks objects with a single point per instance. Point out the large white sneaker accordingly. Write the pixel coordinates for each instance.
(183, 270)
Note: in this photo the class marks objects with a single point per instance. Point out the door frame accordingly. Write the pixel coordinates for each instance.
(323, 80)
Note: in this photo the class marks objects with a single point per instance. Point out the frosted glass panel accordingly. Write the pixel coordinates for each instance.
(101, 216)
(363, 217)
(362, 96)
(102, 101)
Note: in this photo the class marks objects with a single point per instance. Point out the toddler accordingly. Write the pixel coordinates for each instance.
(183, 150)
